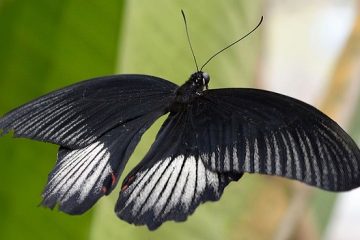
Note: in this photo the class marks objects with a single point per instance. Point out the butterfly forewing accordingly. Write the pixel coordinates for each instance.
(249, 130)
(77, 115)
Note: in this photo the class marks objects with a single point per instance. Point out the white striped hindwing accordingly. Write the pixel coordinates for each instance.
(81, 176)
(171, 181)
(248, 130)
(171, 189)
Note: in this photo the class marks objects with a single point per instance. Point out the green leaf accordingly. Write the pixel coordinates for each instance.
(45, 45)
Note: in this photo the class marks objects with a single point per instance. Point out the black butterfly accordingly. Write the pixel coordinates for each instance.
(210, 138)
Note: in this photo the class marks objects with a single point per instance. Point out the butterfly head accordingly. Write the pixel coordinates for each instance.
(199, 80)
(192, 88)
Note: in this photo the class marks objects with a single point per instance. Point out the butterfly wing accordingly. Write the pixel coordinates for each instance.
(97, 123)
(77, 115)
(171, 181)
(81, 176)
(256, 131)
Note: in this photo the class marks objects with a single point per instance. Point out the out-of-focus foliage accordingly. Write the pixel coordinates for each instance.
(338, 103)
(45, 45)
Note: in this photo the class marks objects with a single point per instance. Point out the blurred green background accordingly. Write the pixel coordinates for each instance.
(45, 45)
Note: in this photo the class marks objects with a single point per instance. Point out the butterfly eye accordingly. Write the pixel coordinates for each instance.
(206, 78)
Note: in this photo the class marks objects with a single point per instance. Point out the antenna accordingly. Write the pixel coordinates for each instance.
(188, 37)
(230, 45)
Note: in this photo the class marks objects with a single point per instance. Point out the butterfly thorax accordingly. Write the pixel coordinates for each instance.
(193, 87)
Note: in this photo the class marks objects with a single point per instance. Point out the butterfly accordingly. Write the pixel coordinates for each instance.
(210, 138)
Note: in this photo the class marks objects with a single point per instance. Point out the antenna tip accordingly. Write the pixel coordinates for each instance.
(183, 14)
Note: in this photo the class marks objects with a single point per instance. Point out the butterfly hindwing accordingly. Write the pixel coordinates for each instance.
(255, 131)
(77, 115)
(171, 181)
(81, 176)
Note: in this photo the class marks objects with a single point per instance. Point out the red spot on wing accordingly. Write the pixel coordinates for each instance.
(127, 183)
(113, 179)
(124, 187)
